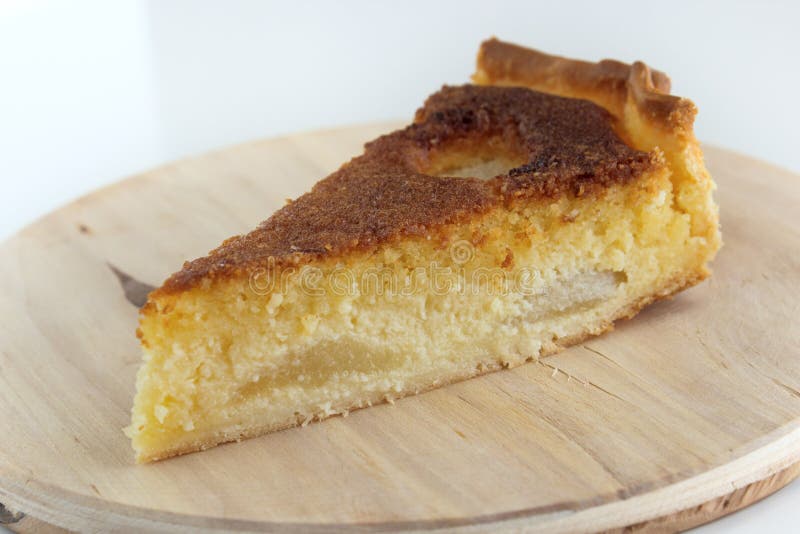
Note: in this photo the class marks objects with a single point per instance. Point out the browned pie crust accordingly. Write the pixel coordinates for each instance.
(568, 146)
(609, 81)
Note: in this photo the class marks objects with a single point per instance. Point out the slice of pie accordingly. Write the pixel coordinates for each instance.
(512, 218)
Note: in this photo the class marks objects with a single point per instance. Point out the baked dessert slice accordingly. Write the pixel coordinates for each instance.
(510, 219)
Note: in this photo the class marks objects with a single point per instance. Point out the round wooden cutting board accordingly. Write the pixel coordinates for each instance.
(685, 413)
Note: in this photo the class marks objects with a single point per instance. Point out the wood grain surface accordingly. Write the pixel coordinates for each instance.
(682, 414)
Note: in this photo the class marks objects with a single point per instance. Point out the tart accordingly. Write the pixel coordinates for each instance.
(513, 217)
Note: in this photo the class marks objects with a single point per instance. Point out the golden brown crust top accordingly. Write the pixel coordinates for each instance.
(612, 83)
(567, 145)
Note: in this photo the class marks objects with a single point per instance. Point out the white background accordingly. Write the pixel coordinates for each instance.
(94, 91)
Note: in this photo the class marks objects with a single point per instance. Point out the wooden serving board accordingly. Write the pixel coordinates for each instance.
(686, 412)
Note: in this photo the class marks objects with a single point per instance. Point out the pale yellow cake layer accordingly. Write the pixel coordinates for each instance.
(239, 358)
